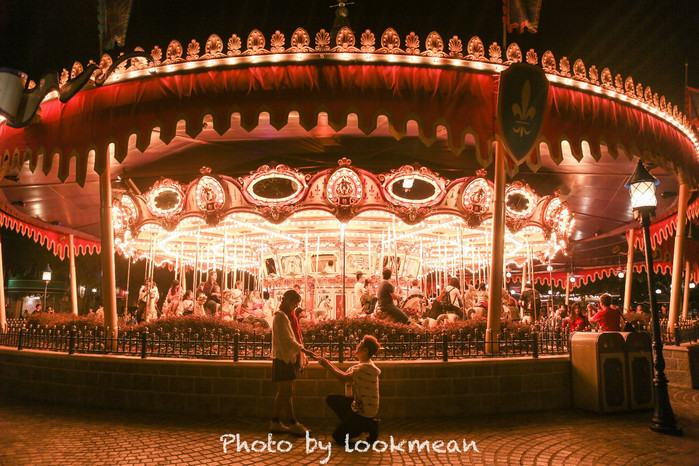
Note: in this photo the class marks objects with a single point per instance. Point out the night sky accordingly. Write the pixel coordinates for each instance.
(649, 40)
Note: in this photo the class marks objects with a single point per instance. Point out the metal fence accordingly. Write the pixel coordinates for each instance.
(336, 346)
(686, 331)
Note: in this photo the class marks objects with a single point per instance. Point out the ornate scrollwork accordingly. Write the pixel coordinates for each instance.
(592, 73)
(548, 62)
(76, 70)
(390, 42)
(173, 54)
(138, 63)
(456, 48)
(475, 49)
(166, 198)
(532, 57)
(276, 42)
(234, 44)
(495, 53)
(105, 62)
(193, 49)
(434, 45)
(639, 91)
(607, 82)
(619, 83)
(477, 197)
(64, 77)
(368, 41)
(514, 54)
(345, 41)
(323, 41)
(564, 67)
(157, 55)
(213, 48)
(629, 88)
(412, 44)
(300, 41)
(255, 43)
(648, 95)
(579, 70)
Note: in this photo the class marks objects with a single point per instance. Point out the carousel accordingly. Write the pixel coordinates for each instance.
(278, 227)
(272, 116)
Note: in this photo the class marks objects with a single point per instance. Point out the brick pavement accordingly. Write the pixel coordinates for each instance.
(48, 434)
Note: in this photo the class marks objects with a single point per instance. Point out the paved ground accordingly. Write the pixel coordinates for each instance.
(41, 434)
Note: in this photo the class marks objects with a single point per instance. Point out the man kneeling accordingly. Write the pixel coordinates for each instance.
(357, 413)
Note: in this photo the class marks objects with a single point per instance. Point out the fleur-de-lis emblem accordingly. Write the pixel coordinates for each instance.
(524, 114)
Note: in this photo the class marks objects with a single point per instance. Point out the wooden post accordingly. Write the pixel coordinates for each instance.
(687, 277)
(107, 255)
(678, 259)
(492, 333)
(73, 277)
(3, 315)
(629, 272)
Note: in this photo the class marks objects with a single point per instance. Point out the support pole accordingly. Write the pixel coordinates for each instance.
(492, 333)
(107, 236)
(629, 272)
(685, 300)
(678, 259)
(73, 276)
(663, 420)
(3, 315)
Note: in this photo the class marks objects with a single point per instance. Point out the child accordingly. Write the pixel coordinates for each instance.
(357, 414)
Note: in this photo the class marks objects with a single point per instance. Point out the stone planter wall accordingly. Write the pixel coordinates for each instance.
(408, 389)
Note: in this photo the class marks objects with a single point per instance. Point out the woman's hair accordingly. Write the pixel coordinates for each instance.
(188, 293)
(481, 287)
(454, 282)
(175, 284)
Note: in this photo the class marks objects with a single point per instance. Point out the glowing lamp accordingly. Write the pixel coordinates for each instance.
(658, 291)
(641, 187)
(549, 268)
(46, 274)
(408, 182)
(572, 279)
(692, 285)
(620, 274)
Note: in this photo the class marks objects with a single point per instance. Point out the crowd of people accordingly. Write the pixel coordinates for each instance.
(383, 300)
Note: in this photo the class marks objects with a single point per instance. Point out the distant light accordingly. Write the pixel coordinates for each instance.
(408, 182)
(572, 279)
(94, 290)
(620, 274)
(512, 291)
(692, 285)
(508, 274)
(658, 291)
(550, 291)
(549, 268)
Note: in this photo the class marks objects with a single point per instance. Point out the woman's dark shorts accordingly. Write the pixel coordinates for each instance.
(283, 371)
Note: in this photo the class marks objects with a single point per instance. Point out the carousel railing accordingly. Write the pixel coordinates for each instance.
(336, 346)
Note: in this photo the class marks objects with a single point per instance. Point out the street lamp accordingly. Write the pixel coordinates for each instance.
(46, 277)
(641, 187)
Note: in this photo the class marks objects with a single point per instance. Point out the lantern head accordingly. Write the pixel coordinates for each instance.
(641, 187)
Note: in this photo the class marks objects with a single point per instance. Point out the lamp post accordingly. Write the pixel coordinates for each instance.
(46, 277)
(641, 187)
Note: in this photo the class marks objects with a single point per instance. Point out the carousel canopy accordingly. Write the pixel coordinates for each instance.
(308, 100)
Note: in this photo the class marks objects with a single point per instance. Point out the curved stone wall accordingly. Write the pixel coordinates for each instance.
(408, 388)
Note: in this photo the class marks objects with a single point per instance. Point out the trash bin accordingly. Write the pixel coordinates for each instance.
(598, 364)
(639, 366)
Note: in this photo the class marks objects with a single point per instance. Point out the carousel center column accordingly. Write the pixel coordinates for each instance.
(107, 255)
(492, 333)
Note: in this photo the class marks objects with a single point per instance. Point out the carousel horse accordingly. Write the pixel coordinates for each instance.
(227, 306)
(199, 309)
(414, 306)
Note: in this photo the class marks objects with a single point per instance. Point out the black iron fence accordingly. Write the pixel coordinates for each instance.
(336, 346)
(686, 331)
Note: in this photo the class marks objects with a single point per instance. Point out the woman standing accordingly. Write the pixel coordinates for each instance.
(287, 360)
